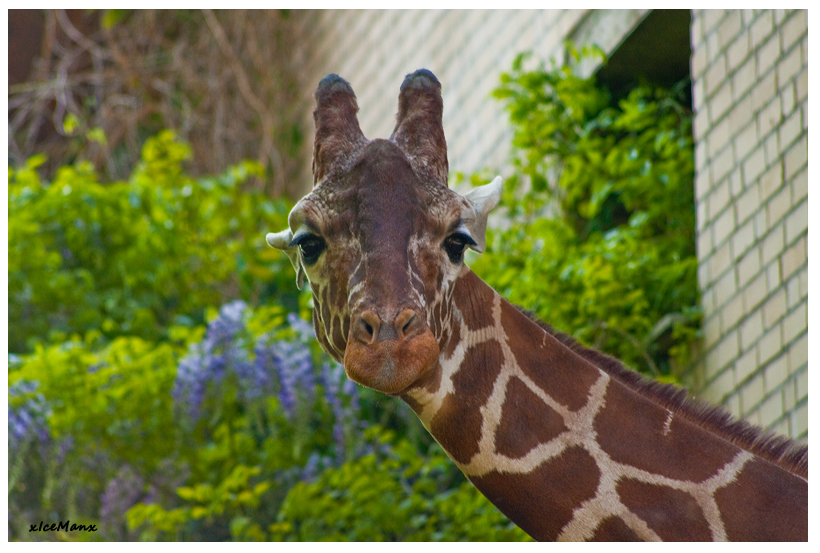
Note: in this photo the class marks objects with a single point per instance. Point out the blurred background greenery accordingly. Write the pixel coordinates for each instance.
(164, 382)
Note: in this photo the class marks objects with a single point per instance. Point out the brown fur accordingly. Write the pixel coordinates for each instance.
(526, 421)
(542, 502)
(673, 514)
(778, 506)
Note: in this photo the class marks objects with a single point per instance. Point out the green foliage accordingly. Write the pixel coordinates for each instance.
(131, 258)
(109, 407)
(601, 244)
(111, 400)
(403, 497)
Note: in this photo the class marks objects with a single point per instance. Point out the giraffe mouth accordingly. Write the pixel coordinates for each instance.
(392, 366)
(421, 381)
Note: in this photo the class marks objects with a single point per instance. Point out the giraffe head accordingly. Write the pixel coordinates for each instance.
(381, 237)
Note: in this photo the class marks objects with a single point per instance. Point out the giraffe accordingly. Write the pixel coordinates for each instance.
(564, 440)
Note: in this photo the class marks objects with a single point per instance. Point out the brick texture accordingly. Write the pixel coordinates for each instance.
(760, 296)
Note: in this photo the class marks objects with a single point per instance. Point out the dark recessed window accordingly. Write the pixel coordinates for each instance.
(658, 50)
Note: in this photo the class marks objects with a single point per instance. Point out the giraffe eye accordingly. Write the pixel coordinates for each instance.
(311, 247)
(455, 244)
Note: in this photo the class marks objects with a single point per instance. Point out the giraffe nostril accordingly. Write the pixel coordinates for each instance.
(367, 327)
(408, 324)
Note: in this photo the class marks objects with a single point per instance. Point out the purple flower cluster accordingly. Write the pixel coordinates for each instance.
(27, 419)
(337, 387)
(285, 365)
(121, 493)
(292, 364)
(275, 366)
(221, 352)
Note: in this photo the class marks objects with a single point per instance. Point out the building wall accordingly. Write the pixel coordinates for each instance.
(750, 78)
(750, 86)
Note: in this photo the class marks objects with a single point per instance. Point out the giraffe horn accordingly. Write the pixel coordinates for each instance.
(419, 130)
(482, 201)
(338, 134)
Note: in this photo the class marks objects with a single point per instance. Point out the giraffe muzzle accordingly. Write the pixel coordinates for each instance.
(390, 356)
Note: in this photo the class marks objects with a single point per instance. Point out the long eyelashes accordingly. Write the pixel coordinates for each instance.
(455, 244)
(311, 247)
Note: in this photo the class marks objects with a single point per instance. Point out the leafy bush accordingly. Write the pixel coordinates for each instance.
(106, 411)
(133, 258)
(402, 497)
(601, 244)
(127, 422)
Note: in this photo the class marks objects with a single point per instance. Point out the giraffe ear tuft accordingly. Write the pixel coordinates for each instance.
(482, 200)
(281, 241)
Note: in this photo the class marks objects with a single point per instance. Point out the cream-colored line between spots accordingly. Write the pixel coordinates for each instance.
(667, 426)
(702, 492)
(579, 430)
(724, 477)
(606, 503)
(431, 401)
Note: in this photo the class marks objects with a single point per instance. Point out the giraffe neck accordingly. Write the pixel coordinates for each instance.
(570, 452)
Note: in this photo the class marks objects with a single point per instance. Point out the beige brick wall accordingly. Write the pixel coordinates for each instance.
(750, 87)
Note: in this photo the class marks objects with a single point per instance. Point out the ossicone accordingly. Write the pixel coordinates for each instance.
(419, 130)
(338, 135)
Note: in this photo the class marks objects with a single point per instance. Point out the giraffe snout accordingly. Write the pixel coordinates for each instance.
(390, 355)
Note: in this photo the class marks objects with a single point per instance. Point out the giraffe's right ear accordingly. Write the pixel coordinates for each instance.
(282, 241)
(482, 200)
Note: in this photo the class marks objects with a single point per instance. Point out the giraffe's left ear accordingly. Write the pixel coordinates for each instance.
(482, 200)
(282, 241)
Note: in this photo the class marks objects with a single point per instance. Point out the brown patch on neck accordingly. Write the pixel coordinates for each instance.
(614, 529)
(452, 342)
(558, 371)
(761, 505)
(474, 299)
(541, 502)
(630, 428)
(526, 421)
(457, 424)
(672, 514)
